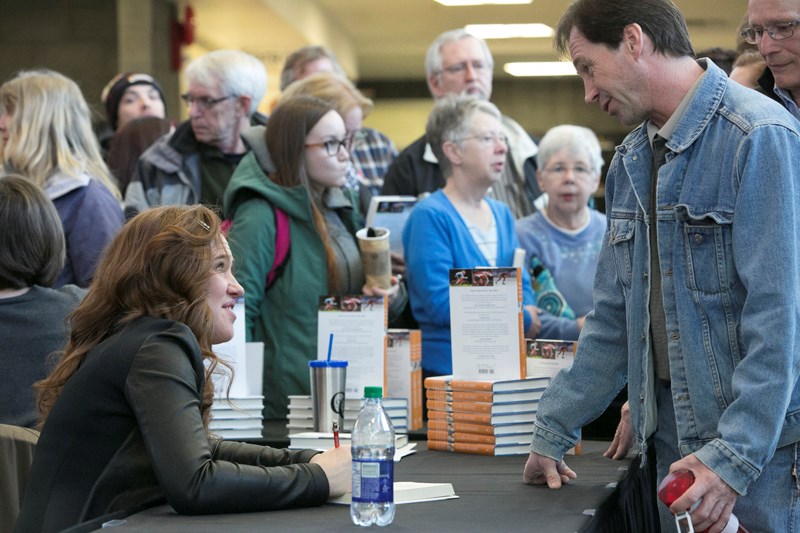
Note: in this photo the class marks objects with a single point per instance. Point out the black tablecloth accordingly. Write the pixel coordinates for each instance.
(491, 494)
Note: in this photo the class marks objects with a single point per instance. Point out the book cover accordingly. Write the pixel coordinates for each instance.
(438, 424)
(486, 323)
(483, 396)
(404, 371)
(547, 357)
(482, 418)
(450, 383)
(390, 212)
(484, 407)
(358, 324)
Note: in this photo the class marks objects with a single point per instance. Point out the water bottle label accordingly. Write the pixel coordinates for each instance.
(372, 481)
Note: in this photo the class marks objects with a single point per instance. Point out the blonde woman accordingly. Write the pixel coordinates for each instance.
(46, 136)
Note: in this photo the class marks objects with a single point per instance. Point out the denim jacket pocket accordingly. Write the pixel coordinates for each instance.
(620, 240)
(708, 249)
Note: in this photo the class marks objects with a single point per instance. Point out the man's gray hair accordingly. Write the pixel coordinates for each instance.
(301, 57)
(238, 74)
(433, 59)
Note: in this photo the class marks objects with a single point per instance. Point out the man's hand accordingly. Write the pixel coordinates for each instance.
(718, 497)
(623, 438)
(540, 470)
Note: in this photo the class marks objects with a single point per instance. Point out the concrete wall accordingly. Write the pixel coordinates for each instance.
(81, 39)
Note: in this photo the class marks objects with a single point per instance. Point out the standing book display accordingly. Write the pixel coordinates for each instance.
(486, 324)
(358, 324)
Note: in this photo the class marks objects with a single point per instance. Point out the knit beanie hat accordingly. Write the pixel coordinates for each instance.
(113, 91)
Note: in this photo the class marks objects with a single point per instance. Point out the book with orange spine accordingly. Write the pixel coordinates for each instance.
(479, 449)
(484, 407)
(489, 449)
(438, 424)
(448, 383)
(482, 418)
(483, 396)
(457, 437)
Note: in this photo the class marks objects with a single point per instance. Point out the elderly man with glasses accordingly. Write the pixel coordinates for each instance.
(195, 163)
(461, 64)
(773, 28)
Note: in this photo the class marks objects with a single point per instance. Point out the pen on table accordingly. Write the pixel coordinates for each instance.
(336, 433)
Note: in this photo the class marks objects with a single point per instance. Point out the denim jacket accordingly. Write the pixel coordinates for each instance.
(728, 225)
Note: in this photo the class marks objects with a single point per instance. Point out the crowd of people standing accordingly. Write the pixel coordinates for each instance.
(130, 248)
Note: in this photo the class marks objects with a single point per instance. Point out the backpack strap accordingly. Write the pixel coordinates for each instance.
(283, 242)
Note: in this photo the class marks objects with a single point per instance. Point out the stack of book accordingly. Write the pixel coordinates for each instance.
(237, 418)
(301, 416)
(487, 417)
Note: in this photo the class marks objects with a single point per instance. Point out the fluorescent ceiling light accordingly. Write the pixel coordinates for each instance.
(509, 31)
(541, 68)
(455, 3)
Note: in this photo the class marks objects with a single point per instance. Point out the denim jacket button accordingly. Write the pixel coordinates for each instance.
(698, 238)
(676, 336)
(668, 272)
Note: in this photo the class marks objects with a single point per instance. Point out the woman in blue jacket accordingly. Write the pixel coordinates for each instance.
(457, 226)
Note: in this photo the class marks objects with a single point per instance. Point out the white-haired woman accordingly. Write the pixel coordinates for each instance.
(564, 238)
(47, 137)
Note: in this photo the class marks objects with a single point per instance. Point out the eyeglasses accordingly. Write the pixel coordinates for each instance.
(777, 32)
(333, 146)
(204, 102)
(487, 139)
(460, 68)
(579, 171)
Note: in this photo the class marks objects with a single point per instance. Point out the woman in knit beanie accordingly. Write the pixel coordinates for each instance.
(132, 95)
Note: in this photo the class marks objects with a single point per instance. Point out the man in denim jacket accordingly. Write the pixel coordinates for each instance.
(712, 359)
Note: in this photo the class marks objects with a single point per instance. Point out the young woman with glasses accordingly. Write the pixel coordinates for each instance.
(299, 168)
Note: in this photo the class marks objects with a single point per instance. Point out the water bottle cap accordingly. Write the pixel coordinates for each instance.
(373, 392)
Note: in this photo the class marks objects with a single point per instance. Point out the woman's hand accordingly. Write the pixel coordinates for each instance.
(536, 322)
(336, 464)
(398, 263)
(389, 294)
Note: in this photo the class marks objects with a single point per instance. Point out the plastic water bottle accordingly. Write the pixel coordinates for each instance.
(373, 463)
(673, 486)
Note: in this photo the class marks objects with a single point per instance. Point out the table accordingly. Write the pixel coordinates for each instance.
(491, 494)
